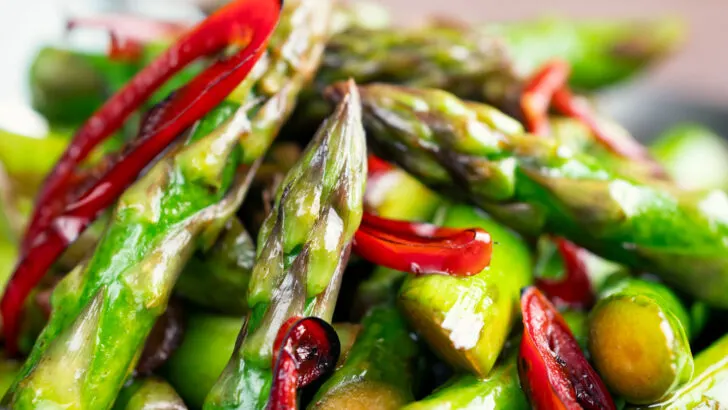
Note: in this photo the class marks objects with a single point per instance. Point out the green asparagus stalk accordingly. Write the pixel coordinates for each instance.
(208, 342)
(181, 203)
(476, 63)
(379, 371)
(694, 156)
(467, 320)
(149, 394)
(359, 14)
(27, 160)
(600, 53)
(347, 333)
(499, 390)
(638, 340)
(536, 185)
(302, 251)
(706, 390)
(67, 86)
(8, 370)
(218, 279)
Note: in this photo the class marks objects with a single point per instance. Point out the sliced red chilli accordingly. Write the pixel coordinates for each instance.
(59, 217)
(553, 370)
(574, 289)
(623, 145)
(538, 93)
(305, 349)
(422, 248)
(376, 165)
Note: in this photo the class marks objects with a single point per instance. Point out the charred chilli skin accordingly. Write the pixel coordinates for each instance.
(536, 186)
(379, 367)
(553, 371)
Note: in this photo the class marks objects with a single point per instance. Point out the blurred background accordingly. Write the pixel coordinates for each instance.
(699, 73)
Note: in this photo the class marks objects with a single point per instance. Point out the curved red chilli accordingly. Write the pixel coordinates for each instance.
(578, 108)
(304, 350)
(244, 22)
(377, 165)
(58, 219)
(538, 92)
(553, 370)
(48, 246)
(422, 248)
(575, 289)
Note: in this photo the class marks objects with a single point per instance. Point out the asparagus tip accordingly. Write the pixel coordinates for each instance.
(342, 91)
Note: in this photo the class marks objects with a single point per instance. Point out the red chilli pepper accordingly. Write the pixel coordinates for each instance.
(553, 370)
(421, 248)
(59, 218)
(304, 350)
(548, 87)
(575, 289)
(376, 165)
(538, 93)
(578, 108)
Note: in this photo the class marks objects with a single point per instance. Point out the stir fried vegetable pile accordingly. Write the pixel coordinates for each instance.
(299, 205)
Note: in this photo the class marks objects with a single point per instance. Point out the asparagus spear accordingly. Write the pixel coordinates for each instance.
(638, 340)
(706, 390)
(536, 185)
(302, 251)
(466, 320)
(379, 370)
(208, 342)
(27, 160)
(66, 88)
(600, 53)
(694, 156)
(149, 394)
(476, 63)
(499, 390)
(218, 278)
(183, 201)
(347, 333)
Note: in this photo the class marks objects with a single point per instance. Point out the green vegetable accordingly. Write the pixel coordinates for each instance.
(27, 160)
(706, 390)
(347, 333)
(181, 203)
(149, 394)
(536, 186)
(303, 248)
(694, 156)
(379, 370)
(501, 389)
(208, 343)
(638, 340)
(218, 278)
(467, 320)
(600, 53)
